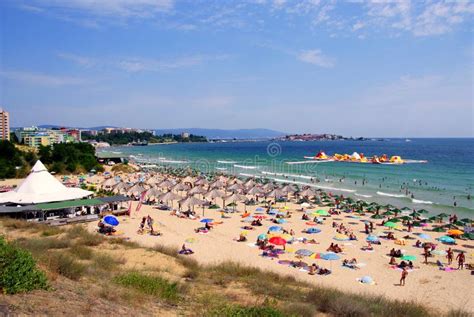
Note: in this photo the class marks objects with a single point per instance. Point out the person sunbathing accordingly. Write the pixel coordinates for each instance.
(305, 217)
(247, 228)
(312, 269)
(403, 265)
(185, 250)
(242, 238)
(331, 248)
(323, 271)
(390, 236)
(337, 249)
(352, 236)
(418, 244)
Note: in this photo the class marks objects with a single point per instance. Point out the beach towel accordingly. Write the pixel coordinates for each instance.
(252, 245)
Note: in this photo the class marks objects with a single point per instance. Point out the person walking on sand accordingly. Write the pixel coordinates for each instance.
(404, 276)
(461, 258)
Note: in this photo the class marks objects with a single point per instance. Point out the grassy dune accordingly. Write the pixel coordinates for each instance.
(91, 274)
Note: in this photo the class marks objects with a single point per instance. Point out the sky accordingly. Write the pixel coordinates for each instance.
(356, 68)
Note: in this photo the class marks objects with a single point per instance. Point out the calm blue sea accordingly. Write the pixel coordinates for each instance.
(446, 179)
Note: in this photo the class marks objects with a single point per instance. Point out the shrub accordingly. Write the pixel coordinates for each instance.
(85, 237)
(18, 272)
(65, 265)
(39, 246)
(82, 252)
(244, 311)
(150, 285)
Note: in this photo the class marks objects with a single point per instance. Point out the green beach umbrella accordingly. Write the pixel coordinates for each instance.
(405, 218)
(390, 224)
(388, 213)
(395, 220)
(377, 217)
(442, 215)
(439, 229)
(322, 212)
(406, 209)
(423, 211)
(466, 220)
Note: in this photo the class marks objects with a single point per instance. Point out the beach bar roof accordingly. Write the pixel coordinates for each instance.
(70, 204)
(41, 187)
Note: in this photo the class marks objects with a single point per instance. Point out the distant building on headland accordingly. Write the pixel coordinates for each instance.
(185, 135)
(34, 136)
(4, 125)
(115, 130)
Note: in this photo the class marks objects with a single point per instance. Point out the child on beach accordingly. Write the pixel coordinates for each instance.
(404, 276)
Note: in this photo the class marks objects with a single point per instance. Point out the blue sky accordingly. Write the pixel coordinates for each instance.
(359, 68)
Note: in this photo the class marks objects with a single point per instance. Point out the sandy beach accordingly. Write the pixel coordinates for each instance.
(426, 284)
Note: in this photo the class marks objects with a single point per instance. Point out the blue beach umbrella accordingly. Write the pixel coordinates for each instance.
(304, 252)
(248, 219)
(206, 220)
(313, 230)
(111, 220)
(275, 228)
(330, 256)
(282, 221)
(424, 236)
(446, 239)
(259, 210)
(372, 238)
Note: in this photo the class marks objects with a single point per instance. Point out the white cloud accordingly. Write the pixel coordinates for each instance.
(140, 64)
(42, 79)
(358, 25)
(315, 57)
(122, 8)
(81, 60)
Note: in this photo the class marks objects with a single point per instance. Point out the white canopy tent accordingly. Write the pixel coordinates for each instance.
(41, 187)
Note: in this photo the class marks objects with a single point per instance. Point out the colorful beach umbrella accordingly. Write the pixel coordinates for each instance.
(206, 220)
(262, 236)
(277, 241)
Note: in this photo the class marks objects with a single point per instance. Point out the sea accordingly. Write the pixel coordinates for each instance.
(444, 183)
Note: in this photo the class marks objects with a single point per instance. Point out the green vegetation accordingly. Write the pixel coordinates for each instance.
(13, 162)
(18, 272)
(131, 137)
(243, 311)
(150, 285)
(70, 157)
